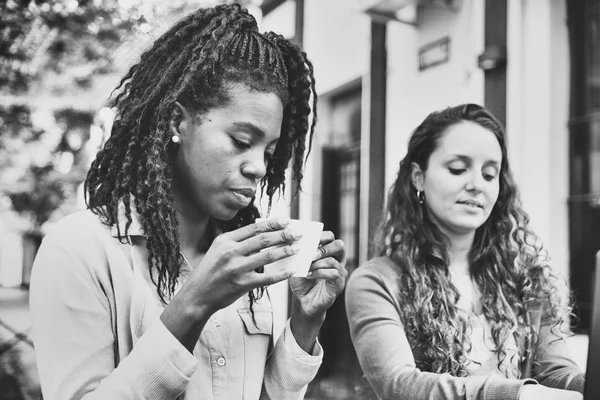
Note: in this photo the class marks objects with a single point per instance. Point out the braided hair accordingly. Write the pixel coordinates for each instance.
(194, 63)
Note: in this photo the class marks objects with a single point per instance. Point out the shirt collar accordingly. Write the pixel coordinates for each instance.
(135, 229)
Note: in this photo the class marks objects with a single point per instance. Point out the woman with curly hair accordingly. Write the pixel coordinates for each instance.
(158, 290)
(461, 302)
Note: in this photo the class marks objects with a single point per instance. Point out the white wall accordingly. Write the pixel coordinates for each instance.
(337, 39)
(413, 94)
(537, 116)
(281, 20)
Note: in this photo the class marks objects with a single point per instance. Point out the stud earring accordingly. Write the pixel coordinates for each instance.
(175, 138)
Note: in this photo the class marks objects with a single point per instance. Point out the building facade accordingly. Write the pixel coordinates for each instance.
(382, 65)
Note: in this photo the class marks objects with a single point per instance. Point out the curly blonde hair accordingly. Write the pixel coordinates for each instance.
(507, 260)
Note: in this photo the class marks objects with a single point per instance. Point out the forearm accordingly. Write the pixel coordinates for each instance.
(553, 365)
(289, 368)
(305, 330)
(185, 320)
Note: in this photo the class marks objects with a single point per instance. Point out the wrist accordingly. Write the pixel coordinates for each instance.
(185, 319)
(305, 328)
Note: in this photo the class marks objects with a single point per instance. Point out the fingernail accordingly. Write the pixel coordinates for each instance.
(295, 247)
(296, 234)
(283, 221)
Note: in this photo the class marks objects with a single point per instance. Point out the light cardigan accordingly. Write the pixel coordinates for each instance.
(373, 306)
(97, 333)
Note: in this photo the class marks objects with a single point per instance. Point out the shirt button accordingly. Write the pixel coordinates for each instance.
(217, 323)
(221, 361)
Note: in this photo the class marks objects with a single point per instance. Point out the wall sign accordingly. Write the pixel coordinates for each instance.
(434, 53)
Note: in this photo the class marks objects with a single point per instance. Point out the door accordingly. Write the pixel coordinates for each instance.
(340, 376)
(584, 149)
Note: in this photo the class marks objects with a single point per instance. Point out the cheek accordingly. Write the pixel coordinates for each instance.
(443, 187)
(494, 192)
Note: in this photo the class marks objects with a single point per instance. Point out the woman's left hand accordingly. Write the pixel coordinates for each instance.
(326, 279)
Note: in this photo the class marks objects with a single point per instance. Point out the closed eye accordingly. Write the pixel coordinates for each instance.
(240, 144)
(489, 177)
(456, 171)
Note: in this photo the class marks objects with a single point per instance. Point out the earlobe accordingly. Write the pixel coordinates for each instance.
(416, 176)
(178, 115)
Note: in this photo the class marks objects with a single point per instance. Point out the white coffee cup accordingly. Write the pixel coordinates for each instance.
(308, 244)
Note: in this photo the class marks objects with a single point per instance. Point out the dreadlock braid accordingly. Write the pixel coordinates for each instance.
(194, 63)
(295, 119)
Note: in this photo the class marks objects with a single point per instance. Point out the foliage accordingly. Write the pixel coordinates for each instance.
(40, 161)
(75, 40)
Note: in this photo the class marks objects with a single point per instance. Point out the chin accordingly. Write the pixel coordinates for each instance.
(468, 226)
(224, 213)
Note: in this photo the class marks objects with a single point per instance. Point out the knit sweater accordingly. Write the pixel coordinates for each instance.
(373, 306)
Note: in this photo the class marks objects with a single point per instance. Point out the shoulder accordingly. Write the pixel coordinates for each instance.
(377, 268)
(379, 273)
(78, 228)
(80, 236)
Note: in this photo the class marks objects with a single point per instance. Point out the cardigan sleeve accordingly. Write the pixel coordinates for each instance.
(385, 354)
(552, 365)
(75, 342)
(290, 369)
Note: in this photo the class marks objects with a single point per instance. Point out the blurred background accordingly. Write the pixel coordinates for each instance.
(380, 65)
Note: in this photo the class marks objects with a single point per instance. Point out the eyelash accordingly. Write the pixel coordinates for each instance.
(489, 177)
(245, 146)
(456, 171)
(239, 144)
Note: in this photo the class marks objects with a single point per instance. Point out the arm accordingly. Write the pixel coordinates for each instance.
(552, 365)
(75, 342)
(384, 352)
(289, 368)
(298, 355)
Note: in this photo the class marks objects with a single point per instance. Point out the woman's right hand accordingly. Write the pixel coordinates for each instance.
(228, 271)
(536, 392)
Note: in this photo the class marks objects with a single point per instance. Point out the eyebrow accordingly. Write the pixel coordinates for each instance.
(468, 159)
(250, 128)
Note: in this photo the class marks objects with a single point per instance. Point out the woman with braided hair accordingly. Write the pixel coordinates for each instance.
(461, 302)
(158, 290)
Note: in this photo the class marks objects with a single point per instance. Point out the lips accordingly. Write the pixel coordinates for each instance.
(243, 196)
(250, 193)
(471, 203)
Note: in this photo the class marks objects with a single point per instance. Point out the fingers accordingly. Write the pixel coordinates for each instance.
(272, 275)
(336, 249)
(328, 268)
(326, 237)
(256, 228)
(270, 255)
(263, 240)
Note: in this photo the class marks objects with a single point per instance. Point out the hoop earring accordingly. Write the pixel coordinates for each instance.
(421, 196)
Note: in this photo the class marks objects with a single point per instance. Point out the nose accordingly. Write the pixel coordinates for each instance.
(255, 166)
(475, 183)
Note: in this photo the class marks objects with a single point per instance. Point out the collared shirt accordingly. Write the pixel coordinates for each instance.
(96, 327)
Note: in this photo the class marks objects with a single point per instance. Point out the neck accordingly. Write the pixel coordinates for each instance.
(193, 234)
(193, 227)
(460, 247)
